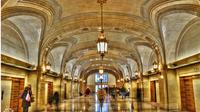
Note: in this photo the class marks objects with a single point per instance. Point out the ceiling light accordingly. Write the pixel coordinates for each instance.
(155, 65)
(48, 66)
(101, 70)
(102, 43)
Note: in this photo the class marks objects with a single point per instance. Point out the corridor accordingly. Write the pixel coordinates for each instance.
(55, 51)
(91, 104)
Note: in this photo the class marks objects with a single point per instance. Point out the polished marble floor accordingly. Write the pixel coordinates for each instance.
(91, 104)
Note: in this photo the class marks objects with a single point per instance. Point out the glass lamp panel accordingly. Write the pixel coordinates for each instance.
(106, 47)
(98, 47)
(101, 46)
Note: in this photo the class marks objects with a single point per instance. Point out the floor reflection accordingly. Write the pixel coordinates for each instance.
(91, 104)
(102, 107)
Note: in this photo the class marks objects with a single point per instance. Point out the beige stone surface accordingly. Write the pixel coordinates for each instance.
(173, 89)
(189, 44)
(6, 87)
(196, 86)
(77, 7)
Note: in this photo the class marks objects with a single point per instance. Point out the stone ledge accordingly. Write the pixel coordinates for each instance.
(185, 62)
(6, 60)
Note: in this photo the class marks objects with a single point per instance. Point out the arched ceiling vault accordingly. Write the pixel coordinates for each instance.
(156, 10)
(92, 70)
(11, 25)
(85, 49)
(130, 26)
(108, 61)
(65, 28)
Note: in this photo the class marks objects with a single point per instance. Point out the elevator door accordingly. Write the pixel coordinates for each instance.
(153, 91)
(187, 94)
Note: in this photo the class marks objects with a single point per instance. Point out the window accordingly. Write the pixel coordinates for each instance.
(105, 78)
(98, 82)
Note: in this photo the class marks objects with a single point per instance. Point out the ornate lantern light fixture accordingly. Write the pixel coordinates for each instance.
(136, 73)
(75, 79)
(155, 65)
(48, 66)
(102, 43)
(66, 75)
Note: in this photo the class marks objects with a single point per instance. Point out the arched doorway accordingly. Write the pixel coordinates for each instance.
(94, 83)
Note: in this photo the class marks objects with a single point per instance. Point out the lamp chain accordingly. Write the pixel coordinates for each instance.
(101, 4)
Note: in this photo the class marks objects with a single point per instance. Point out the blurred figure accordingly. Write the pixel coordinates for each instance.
(113, 92)
(128, 92)
(56, 99)
(80, 93)
(50, 101)
(26, 98)
(87, 91)
(139, 99)
(123, 92)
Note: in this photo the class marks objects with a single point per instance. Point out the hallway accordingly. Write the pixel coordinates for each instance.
(56, 50)
(91, 104)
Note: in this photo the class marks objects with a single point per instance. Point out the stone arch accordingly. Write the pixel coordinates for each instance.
(157, 10)
(95, 70)
(162, 8)
(188, 35)
(13, 43)
(39, 13)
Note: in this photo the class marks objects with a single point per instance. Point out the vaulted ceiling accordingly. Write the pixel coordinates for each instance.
(64, 33)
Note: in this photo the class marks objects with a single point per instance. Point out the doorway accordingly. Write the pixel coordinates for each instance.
(50, 89)
(187, 94)
(153, 91)
(11, 90)
(101, 83)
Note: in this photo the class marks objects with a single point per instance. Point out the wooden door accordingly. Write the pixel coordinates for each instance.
(65, 91)
(153, 91)
(187, 94)
(17, 89)
(50, 89)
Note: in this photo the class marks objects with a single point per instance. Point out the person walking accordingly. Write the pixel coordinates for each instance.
(56, 99)
(87, 91)
(26, 98)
